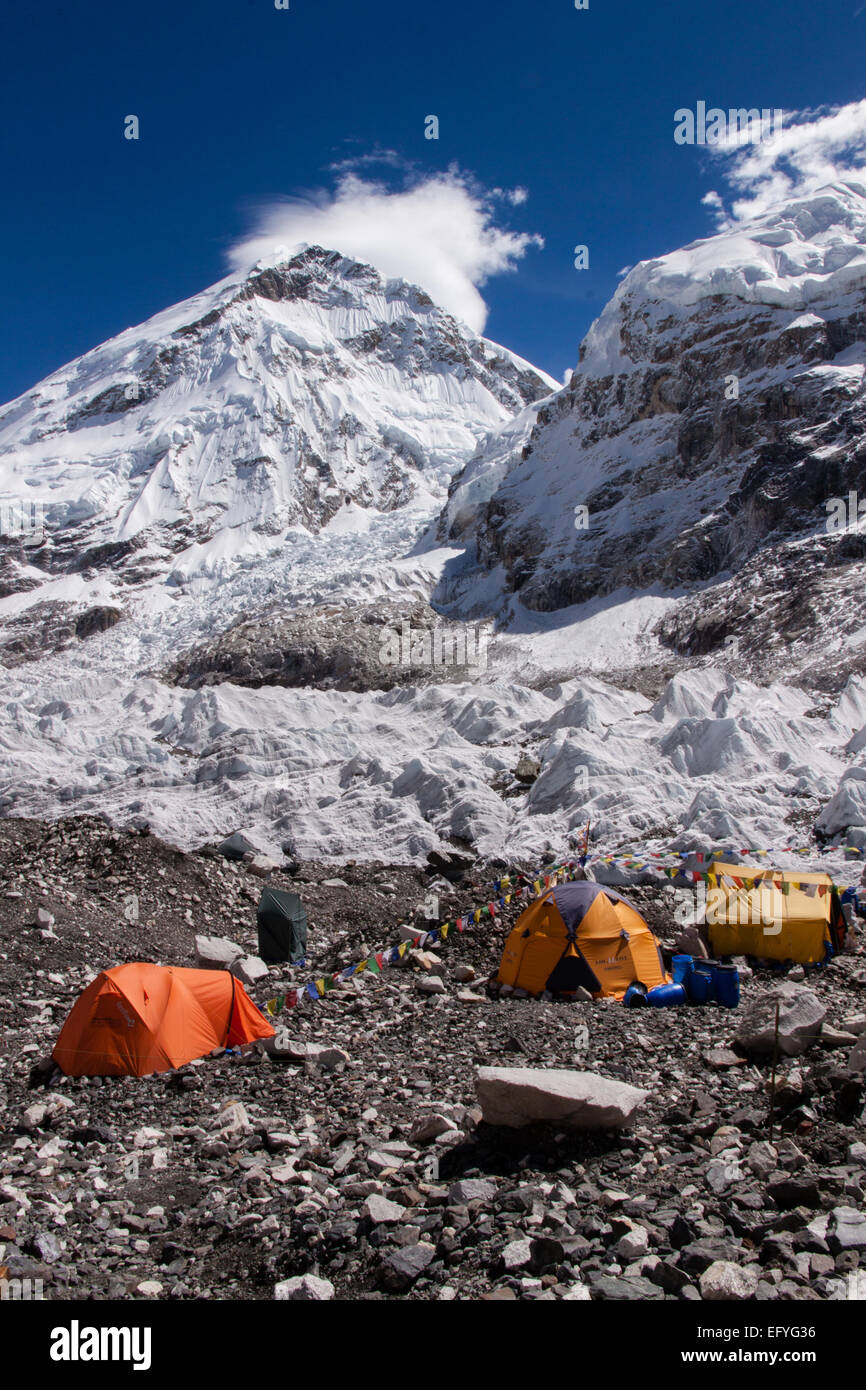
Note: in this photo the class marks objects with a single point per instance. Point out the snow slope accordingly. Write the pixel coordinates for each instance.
(261, 404)
(288, 445)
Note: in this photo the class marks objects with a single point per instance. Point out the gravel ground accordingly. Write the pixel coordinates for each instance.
(367, 1162)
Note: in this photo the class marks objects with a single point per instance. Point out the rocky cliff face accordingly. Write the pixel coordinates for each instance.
(717, 408)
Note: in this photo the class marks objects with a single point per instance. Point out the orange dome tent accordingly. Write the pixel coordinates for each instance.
(581, 934)
(137, 1019)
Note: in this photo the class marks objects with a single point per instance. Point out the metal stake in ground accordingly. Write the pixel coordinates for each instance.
(773, 1081)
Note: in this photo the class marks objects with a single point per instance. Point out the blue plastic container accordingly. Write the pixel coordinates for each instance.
(727, 985)
(701, 982)
(666, 996)
(635, 996)
(681, 968)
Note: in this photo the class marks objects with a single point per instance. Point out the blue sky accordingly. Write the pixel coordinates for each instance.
(241, 104)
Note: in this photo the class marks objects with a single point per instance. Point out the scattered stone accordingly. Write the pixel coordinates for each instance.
(576, 1293)
(836, 1037)
(762, 1159)
(328, 1058)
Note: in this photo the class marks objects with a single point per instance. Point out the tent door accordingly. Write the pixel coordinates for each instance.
(572, 972)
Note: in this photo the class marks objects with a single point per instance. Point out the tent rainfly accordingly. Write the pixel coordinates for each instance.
(581, 934)
(139, 1018)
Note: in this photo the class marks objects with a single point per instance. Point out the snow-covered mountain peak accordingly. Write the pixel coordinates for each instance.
(267, 402)
(805, 252)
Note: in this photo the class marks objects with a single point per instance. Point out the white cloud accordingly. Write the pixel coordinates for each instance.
(813, 148)
(439, 233)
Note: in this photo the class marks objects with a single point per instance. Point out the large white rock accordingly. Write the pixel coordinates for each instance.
(801, 1014)
(724, 1280)
(216, 952)
(517, 1096)
(305, 1289)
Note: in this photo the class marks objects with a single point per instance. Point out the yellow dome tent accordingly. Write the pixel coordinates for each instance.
(581, 934)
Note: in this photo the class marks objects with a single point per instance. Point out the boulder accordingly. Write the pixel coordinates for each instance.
(429, 1127)
(306, 1288)
(528, 769)
(383, 1212)
(430, 984)
(801, 1015)
(236, 846)
(633, 1245)
(232, 1121)
(249, 969)
(517, 1255)
(690, 943)
(518, 1096)
(724, 1280)
(471, 1190)
(216, 952)
(411, 933)
(328, 1058)
(401, 1269)
(846, 1230)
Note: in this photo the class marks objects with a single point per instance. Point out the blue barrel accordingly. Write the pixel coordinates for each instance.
(665, 996)
(727, 982)
(700, 983)
(681, 968)
(635, 996)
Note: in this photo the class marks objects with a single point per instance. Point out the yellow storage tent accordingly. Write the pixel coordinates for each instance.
(773, 914)
(581, 934)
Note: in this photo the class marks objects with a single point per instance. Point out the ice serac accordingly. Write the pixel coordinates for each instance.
(717, 406)
(267, 402)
